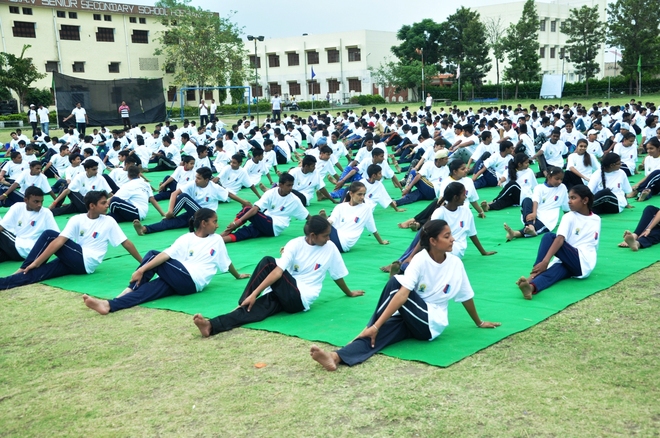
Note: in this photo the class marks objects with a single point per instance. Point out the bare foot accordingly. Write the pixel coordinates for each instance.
(631, 240)
(623, 244)
(322, 213)
(415, 226)
(525, 287)
(530, 230)
(125, 291)
(484, 206)
(101, 306)
(203, 325)
(644, 195)
(510, 234)
(395, 267)
(406, 224)
(139, 229)
(328, 360)
(385, 268)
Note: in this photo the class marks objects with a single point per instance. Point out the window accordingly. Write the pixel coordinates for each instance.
(113, 67)
(170, 68)
(14, 10)
(190, 95)
(140, 37)
(313, 87)
(333, 85)
(313, 57)
(353, 54)
(105, 34)
(71, 33)
(27, 11)
(542, 52)
(562, 52)
(333, 56)
(52, 66)
(171, 93)
(132, 20)
(97, 17)
(257, 91)
(273, 60)
(274, 88)
(294, 89)
(73, 15)
(143, 21)
(107, 18)
(552, 52)
(24, 29)
(79, 67)
(542, 25)
(553, 26)
(61, 14)
(293, 58)
(208, 94)
(252, 64)
(355, 85)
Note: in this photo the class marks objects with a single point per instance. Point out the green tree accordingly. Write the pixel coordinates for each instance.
(633, 27)
(495, 37)
(462, 41)
(39, 96)
(522, 47)
(419, 38)
(17, 73)
(585, 36)
(203, 48)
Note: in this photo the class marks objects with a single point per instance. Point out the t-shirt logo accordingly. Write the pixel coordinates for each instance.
(191, 252)
(556, 198)
(460, 224)
(445, 290)
(282, 208)
(317, 266)
(356, 220)
(596, 235)
(212, 252)
(82, 233)
(422, 287)
(20, 223)
(577, 231)
(206, 199)
(370, 195)
(296, 268)
(95, 235)
(32, 223)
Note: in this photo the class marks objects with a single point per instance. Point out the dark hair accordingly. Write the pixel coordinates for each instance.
(89, 164)
(187, 158)
(14, 154)
(200, 149)
(607, 161)
(373, 169)
(201, 215)
(584, 192)
(237, 157)
(653, 142)
(454, 166)
(257, 152)
(451, 191)
(376, 152)
(586, 159)
(94, 196)
(33, 191)
(35, 164)
(73, 157)
(285, 178)
(63, 148)
(629, 135)
(308, 160)
(552, 171)
(325, 150)
(315, 224)
(430, 229)
(505, 145)
(133, 172)
(520, 158)
(354, 187)
(205, 172)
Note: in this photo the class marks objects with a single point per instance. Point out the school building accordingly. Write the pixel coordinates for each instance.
(551, 40)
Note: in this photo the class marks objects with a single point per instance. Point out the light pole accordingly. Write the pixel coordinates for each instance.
(564, 59)
(256, 84)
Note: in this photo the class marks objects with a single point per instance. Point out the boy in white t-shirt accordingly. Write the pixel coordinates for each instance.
(28, 178)
(78, 188)
(132, 200)
(493, 170)
(184, 173)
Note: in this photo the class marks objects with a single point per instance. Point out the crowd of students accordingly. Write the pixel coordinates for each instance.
(585, 158)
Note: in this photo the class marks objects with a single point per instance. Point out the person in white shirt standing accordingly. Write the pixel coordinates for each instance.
(276, 106)
(33, 119)
(429, 102)
(44, 119)
(203, 113)
(80, 117)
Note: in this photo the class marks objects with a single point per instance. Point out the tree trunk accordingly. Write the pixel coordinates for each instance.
(497, 70)
(516, 96)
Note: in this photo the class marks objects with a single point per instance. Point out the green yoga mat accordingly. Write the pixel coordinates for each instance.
(337, 319)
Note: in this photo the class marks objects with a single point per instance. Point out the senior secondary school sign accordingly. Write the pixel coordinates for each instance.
(97, 6)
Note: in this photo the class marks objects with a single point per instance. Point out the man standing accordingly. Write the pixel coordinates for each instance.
(203, 114)
(81, 118)
(214, 109)
(124, 111)
(32, 118)
(43, 118)
(276, 106)
(429, 102)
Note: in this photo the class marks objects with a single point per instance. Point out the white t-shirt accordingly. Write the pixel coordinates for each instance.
(206, 197)
(434, 174)
(136, 192)
(651, 164)
(12, 170)
(471, 194)
(182, 176)
(234, 180)
(349, 221)
(25, 180)
(595, 148)
(119, 176)
(386, 170)
(281, 209)
(27, 226)
(222, 160)
(277, 103)
(553, 153)
(461, 224)
(628, 155)
(376, 193)
(203, 110)
(171, 152)
(583, 233)
(255, 170)
(306, 183)
(615, 181)
(550, 200)
(93, 235)
(202, 257)
(71, 172)
(60, 163)
(308, 264)
(497, 165)
(437, 283)
(577, 161)
(79, 114)
(526, 181)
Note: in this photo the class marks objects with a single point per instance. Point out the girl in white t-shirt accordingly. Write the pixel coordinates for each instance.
(186, 267)
(574, 247)
(351, 217)
(650, 184)
(519, 185)
(580, 165)
(610, 187)
(290, 284)
(415, 304)
(540, 213)
(627, 150)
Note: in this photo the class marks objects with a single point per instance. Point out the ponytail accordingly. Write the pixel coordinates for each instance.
(513, 165)
(451, 191)
(586, 159)
(430, 229)
(608, 161)
(201, 215)
(353, 188)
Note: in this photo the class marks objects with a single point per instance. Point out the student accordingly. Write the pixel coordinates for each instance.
(431, 173)
(552, 152)
(650, 184)
(74, 169)
(57, 164)
(169, 155)
(184, 173)
(351, 217)
(580, 165)
(647, 232)
(186, 200)
(256, 168)
(111, 159)
(234, 177)
(574, 246)
(185, 268)
(414, 304)
(202, 159)
(376, 191)
(627, 150)
(519, 185)
(492, 171)
(540, 213)
(458, 173)
(11, 169)
(80, 185)
(79, 249)
(28, 178)
(269, 216)
(610, 186)
(291, 283)
(23, 224)
(307, 181)
(132, 200)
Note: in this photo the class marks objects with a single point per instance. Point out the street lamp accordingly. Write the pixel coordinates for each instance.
(255, 39)
(564, 59)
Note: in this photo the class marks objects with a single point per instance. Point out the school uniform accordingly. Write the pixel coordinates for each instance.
(431, 176)
(169, 157)
(193, 263)
(628, 157)
(222, 160)
(550, 200)
(306, 184)
(58, 166)
(514, 192)
(376, 193)
(461, 224)
(255, 171)
(424, 315)
(348, 221)
(554, 153)
(576, 257)
(179, 176)
(577, 161)
(304, 268)
(12, 170)
(496, 167)
(471, 194)
(131, 201)
(234, 180)
(609, 198)
(21, 229)
(82, 253)
(652, 173)
(25, 180)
